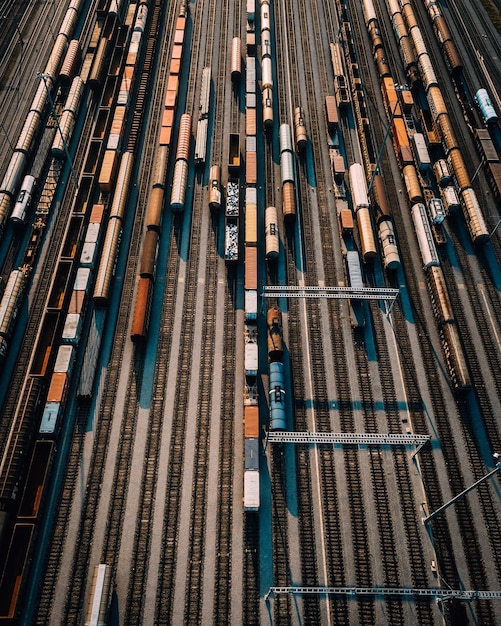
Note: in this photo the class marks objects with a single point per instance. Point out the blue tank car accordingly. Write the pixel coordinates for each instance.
(487, 111)
(278, 420)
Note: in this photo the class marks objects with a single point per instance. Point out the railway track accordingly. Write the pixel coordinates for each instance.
(75, 598)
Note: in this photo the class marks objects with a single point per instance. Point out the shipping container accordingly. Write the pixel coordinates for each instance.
(251, 450)
(250, 304)
(251, 421)
(331, 114)
(251, 359)
(251, 168)
(251, 267)
(251, 491)
(49, 426)
(251, 225)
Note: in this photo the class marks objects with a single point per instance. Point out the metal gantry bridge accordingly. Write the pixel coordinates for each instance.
(442, 594)
(337, 293)
(357, 439)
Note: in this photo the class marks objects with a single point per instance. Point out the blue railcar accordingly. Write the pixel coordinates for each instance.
(278, 418)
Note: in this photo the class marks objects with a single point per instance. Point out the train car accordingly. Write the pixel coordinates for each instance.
(412, 184)
(9, 306)
(358, 187)
(250, 268)
(300, 129)
(487, 111)
(250, 305)
(289, 202)
(20, 210)
(231, 240)
(474, 218)
(251, 453)
(251, 491)
(331, 114)
(380, 199)
(267, 103)
(179, 181)
(71, 62)
(106, 268)
(366, 235)
(421, 152)
(436, 210)
(275, 339)
(355, 280)
(155, 207)
(234, 153)
(346, 222)
(140, 320)
(232, 207)
(442, 173)
(14, 579)
(424, 235)
(251, 360)
(215, 188)
(450, 199)
(149, 254)
(272, 242)
(455, 357)
(278, 417)
(236, 59)
(251, 421)
(36, 482)
(440, 296)
(100, 596)
(388, 241)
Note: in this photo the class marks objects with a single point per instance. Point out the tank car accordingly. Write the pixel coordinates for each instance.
(366, 234)
(140, 320)
(23, 201)
(267, 98)
(215, 188)
(474, 217)
(272, 243)
(9, 306)
(149, 254)
(278, 418)
(289, 202)
(154, 211)
(236, 59)
(487, 111)
(455, 357)
(389, 250)
(179, 181)
(300, 128)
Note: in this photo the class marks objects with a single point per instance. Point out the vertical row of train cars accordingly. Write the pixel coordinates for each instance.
(79, 291)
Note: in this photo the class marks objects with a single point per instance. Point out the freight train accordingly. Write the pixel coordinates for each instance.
(35, 119)
(409, 36)
(287, 169)
(266, 65)
(144, 293)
